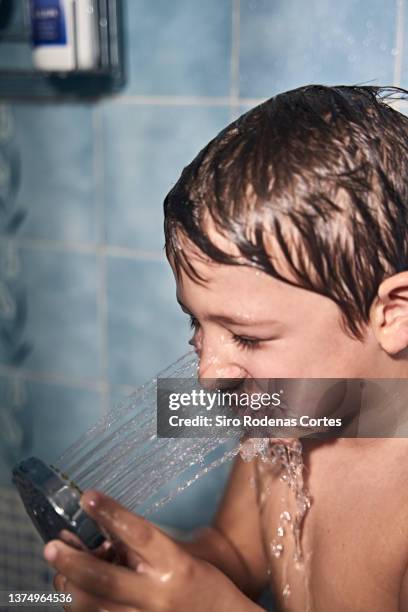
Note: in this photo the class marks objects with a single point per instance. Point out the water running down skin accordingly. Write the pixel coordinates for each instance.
(357, 528)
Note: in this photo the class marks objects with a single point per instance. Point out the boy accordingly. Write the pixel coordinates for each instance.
(288, 239)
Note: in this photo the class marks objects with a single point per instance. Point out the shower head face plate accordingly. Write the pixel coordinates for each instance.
(52, 503)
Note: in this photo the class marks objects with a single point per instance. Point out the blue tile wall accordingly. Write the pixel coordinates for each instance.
(284, 46)
(179, 48)
(146, 148)
(404, 50)
(55, 416)
(101, 299)
(62, 308)
(64, 414)
(147, 329)
(57, 182)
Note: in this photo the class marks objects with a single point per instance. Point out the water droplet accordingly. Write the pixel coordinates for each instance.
(276, 549)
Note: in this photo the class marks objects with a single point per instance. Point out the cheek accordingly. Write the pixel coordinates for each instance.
(310, 353)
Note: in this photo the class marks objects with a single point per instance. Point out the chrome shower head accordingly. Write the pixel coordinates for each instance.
(52, 502)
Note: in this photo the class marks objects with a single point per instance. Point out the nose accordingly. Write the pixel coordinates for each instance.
(217, 358)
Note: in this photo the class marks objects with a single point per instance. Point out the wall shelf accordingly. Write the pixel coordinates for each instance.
(24, 82)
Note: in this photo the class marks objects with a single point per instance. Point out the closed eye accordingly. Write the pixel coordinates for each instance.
(246, 343)
(243, 342)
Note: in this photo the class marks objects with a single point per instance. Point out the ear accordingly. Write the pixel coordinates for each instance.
(389, 313)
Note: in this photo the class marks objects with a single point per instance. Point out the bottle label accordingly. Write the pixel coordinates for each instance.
(48, 23)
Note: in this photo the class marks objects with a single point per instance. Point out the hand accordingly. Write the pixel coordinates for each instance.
(151, 573)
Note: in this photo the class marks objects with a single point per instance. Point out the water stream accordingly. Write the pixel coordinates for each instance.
(284, 458)
(122, 456)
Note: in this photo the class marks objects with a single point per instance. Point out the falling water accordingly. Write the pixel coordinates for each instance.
(122, 456)
(289, 457)
(286, 457)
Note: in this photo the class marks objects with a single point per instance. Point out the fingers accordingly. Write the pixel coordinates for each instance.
(71, 539)
(59, 582)
(149, 556)
(104, 551)
(83, 602)
(95, 577)
(137, 533)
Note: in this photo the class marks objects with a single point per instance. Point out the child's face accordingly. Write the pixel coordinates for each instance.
(248, 324)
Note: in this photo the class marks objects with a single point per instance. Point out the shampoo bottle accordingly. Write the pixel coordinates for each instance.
(52, 28)
(64, 34)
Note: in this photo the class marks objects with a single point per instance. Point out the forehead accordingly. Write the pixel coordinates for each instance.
(243, 288)
(240, 289)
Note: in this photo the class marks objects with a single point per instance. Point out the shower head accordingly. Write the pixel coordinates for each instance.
(52, 502)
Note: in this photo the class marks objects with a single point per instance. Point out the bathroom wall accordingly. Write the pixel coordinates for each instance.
(101, 309)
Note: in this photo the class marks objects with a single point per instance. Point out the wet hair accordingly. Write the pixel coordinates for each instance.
(317, 178)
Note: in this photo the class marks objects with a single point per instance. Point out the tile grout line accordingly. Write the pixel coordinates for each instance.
(98, 152)
(93, 385)
(399, 42)
(87, 248)
(164, 100)
(235, 49)
(58, 379)
(161, 100)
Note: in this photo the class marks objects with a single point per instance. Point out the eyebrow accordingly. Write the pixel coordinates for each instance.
(219, 318)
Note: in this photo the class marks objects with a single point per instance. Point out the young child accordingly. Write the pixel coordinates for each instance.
(288, 237)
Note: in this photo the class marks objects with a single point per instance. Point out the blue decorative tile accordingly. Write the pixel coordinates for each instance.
(52, 419)
(57, 187)
(146, 328)
(284, 46)
(146, 148)
(61, 290)
(179, 48)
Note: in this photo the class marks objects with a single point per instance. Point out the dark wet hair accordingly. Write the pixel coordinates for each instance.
(322, 170)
